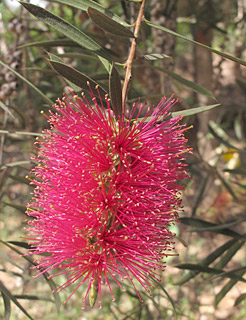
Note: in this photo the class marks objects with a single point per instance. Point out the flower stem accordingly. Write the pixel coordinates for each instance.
(129, 62)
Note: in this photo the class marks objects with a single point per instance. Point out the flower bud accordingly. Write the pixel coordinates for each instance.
(15, 65)
(9, 76)
(6, 88)
(14, 85)
(11, 26)
(2, 95)
(17, 55)
(14, 94)
(20, 28)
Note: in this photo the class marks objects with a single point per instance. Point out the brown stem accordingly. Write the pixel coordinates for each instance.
(129, 62)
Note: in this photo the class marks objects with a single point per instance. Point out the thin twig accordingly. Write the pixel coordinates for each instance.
(129, 62)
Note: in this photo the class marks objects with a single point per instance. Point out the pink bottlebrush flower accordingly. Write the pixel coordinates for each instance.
(107, 193)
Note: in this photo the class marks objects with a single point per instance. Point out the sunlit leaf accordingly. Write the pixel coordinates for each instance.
(156, 56)
(24, 133)
(191, 112)
(221, 53)
(67, 29)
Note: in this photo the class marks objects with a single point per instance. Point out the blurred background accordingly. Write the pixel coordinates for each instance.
(205, 279)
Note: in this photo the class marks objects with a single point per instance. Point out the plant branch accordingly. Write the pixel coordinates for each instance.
(129, 62)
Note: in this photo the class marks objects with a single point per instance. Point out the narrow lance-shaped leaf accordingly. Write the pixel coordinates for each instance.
(223, 54)
(156, 56)
(76, 77)
(51, 43)
(50, 282)
(192, 85)
(206, 261)
(25, 133)
(221, 135)
(12, 298)
(188, 112)
(67, 29)
(42, 95)
(240, 299)
(206, 226)
(200, 195)
(191, 112)
(16, 164)
(109, 25)
(85, 4)
(7, 306)
(220, 273)
(5, 108)
(227, 288)
(115, 92)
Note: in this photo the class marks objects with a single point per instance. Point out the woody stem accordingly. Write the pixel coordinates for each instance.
(129, 62)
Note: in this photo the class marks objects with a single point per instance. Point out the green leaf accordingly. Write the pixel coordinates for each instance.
(217, 227)
(220, 273)
(240, 299)
(7, 306)
(206, 226)
(227, 288)
(156, 56)
(20, 244)
(115, 92)
(223, 54)
(200, 195)
(166, 293)
(76, 77)
(190, 112)
(16, 206)
(236, 171)
(31, 297)
(5, 108)
(50, 282)
(192, 85)
(15, 164)
(20, 179)
(108, 25)
(67, 29)
(42, 95)
(85, 4)
(5, 257)
(25, 133)
(51, 43)
(206, 261)
(222, 136)
(226, 185)
(6, 292)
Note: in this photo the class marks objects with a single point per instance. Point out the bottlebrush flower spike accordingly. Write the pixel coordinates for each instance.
(106, 193)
